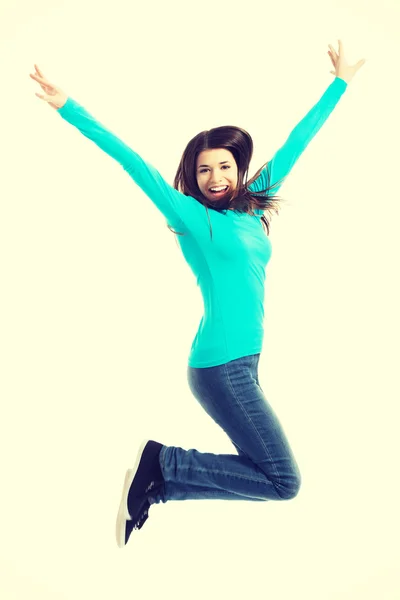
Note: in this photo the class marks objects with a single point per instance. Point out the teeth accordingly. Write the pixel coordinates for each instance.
(218, 189)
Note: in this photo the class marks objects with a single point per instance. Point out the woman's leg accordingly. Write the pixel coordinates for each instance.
(264, 469)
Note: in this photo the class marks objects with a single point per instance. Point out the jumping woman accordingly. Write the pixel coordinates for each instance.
(227, 250)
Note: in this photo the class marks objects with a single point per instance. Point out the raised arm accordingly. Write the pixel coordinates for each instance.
(175, 206)
(284, 159)
(282, 162)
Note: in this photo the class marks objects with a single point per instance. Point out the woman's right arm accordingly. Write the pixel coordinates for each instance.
(174, 205)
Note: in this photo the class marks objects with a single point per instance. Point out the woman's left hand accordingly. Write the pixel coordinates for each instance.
(342, 69)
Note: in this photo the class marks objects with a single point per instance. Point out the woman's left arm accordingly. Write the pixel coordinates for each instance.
(342, 68)
(278, 168)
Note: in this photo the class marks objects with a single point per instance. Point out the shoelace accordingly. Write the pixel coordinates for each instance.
(144, 515)
(149, 487)
(142, 519)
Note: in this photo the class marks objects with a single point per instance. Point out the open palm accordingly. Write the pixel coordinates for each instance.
(53, 95)
(339, 61)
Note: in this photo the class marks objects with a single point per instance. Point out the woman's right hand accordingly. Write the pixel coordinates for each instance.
(53, 95)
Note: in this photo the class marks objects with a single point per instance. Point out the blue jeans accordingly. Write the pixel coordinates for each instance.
(264, 467)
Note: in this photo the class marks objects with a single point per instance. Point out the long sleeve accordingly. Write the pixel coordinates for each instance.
(285, 158)
(173, 204)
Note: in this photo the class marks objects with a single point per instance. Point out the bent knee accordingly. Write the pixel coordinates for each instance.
(289, 489)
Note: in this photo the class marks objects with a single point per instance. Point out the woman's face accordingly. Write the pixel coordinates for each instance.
(211, 173)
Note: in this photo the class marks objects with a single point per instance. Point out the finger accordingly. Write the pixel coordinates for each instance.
(332, 50)
(44, 86)
(41, 80)
(39, 71)
(47, 84)
(38, 78)
(340, 47)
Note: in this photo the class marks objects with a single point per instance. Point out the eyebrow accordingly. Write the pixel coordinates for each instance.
(221, 163)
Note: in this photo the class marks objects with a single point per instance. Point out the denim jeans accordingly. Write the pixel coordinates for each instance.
(264, 467)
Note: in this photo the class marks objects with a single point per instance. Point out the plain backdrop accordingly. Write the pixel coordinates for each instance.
(99, 309)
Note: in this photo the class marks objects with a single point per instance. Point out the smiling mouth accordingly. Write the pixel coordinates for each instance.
(219, 193)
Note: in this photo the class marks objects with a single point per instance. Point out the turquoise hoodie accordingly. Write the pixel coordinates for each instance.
(230, 268)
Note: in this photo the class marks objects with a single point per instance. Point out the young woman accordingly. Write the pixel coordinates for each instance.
(228, 251)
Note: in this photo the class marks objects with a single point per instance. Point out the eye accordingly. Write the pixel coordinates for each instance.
(223, 166)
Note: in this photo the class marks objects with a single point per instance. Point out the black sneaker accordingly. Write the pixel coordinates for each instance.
(144, 480)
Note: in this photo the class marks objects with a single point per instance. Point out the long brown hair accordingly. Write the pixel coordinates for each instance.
(240, 144)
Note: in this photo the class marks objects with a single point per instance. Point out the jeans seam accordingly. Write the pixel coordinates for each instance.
(252, 424)
(245, 477)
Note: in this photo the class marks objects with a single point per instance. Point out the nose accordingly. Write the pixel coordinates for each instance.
(216, 182)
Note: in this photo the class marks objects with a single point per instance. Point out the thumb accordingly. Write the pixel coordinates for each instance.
(46, 97)
(360, 63)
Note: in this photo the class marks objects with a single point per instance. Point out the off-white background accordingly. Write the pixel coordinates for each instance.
(99, 309)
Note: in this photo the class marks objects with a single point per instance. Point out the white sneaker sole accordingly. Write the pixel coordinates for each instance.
(123, 513)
